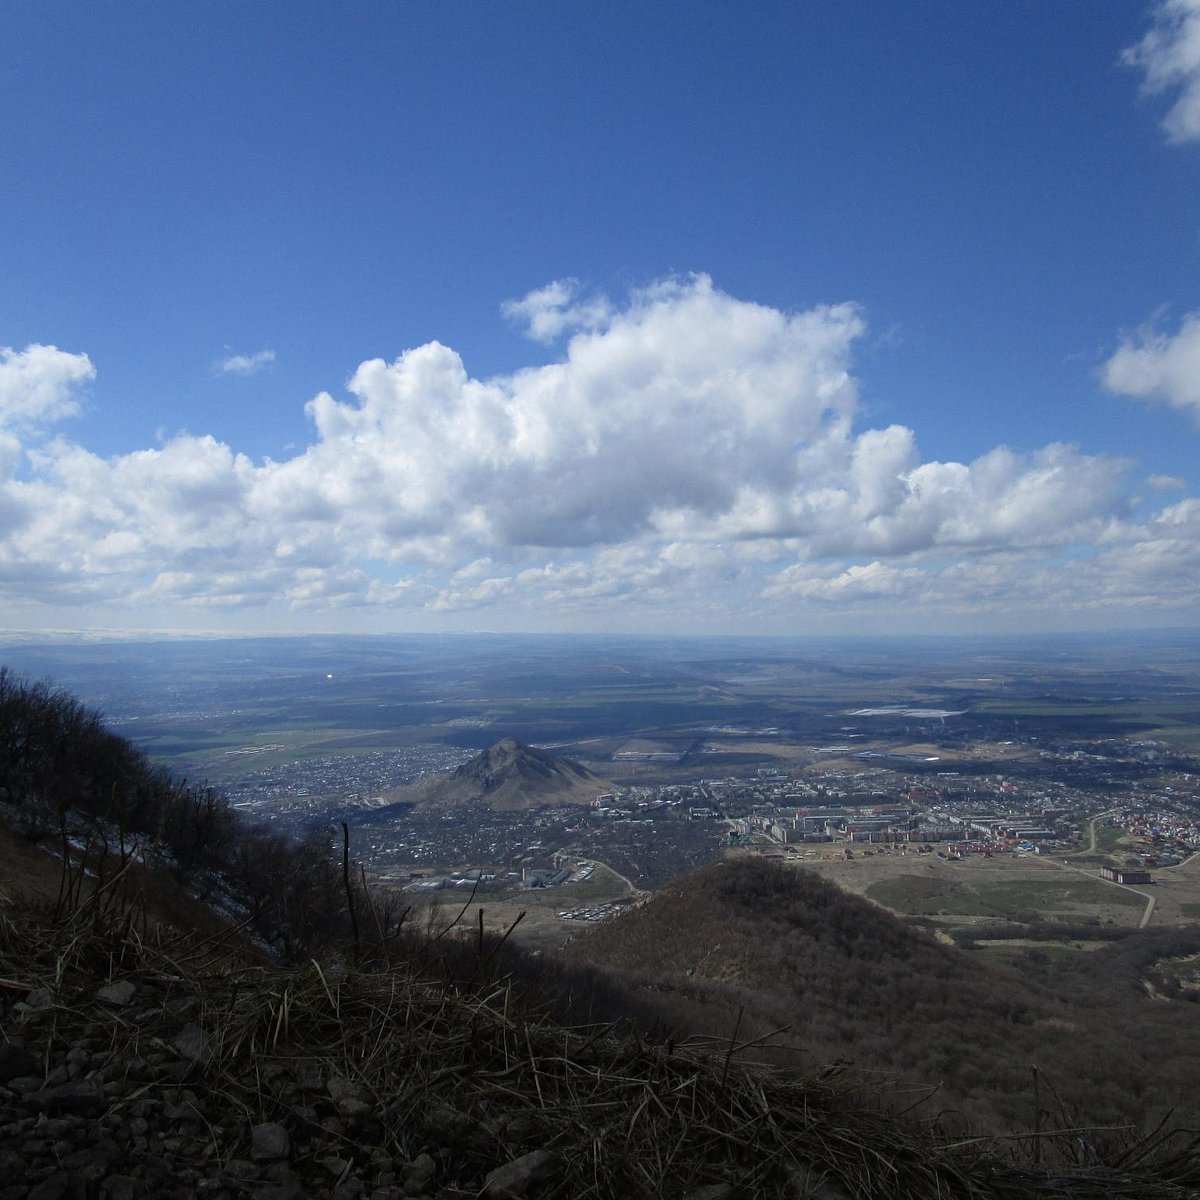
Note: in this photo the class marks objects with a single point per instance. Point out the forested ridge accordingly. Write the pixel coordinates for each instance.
(1077, 1039)
(65, 779)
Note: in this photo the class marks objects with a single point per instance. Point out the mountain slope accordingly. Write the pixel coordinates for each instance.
(508, 777)
(165, 1055)
(137, 1066)
(854, 982)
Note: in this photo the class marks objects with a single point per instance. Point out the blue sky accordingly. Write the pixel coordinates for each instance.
(772, 318)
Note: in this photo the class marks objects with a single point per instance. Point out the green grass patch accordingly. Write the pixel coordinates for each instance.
(1109, 838)
(1019, 900)
(1007, 953)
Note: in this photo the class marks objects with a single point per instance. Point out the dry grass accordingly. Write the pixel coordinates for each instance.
(471, 1072)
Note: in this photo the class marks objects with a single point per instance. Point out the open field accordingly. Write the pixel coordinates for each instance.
(1174, 722)
(540, 928)
(1025, 899)
(1108, 845)
(1177, 891)
(963, 894)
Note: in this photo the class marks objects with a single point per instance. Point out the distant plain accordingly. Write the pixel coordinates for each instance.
(225, 710)
(212, 706)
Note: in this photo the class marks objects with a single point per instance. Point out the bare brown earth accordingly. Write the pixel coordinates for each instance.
(31, 875)
(26, 870)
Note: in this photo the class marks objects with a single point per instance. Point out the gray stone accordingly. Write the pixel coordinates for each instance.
(190, 1043)
(351, 1099)
(178, 1071)
(78, 1159)
(341, 1088)
(418, 1173)
(238, 1170)
(515, 1178)
(287, 1187)
(269, 1142)
(337, 1166)
(118, 994)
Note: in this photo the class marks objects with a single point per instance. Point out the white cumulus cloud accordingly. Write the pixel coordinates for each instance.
(688, 454)
(873, 580)
(1161, 366)
(41, 384)
(1169, 55)
(1166, 483)
(550, 311)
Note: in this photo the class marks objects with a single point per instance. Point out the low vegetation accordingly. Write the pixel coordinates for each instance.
(317, 1041)
(1027, 900)
(67, 781)
(850, 981)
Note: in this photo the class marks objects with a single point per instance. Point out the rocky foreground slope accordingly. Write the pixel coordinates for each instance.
(146, 1064)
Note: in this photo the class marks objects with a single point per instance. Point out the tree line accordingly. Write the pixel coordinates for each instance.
(63, 771)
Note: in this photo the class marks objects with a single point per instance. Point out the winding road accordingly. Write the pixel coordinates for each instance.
(1150, 900)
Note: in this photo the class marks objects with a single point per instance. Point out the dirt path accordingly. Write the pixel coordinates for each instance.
(1150, 900)
(1091, 849)
(633, 889)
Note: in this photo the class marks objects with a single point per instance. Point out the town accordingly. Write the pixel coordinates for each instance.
(651, 832)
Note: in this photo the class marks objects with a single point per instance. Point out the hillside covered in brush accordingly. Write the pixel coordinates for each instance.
(69, 784)
(192, 1007)
(849, 981)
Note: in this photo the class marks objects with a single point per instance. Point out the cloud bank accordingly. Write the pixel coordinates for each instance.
(688, 458)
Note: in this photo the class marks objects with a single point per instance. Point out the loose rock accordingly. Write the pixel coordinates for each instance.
(269, 1142)
(117, 994)
(515, 1178)
(191, 1043)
